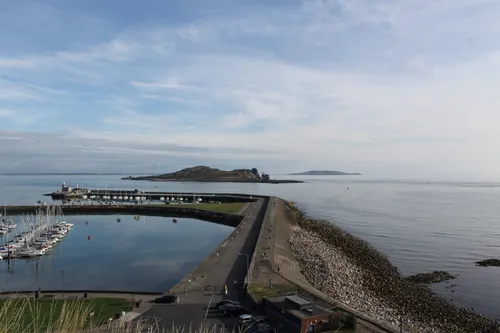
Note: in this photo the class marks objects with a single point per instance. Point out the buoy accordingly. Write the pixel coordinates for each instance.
(174, 220)
(88, 237)
(87, 222)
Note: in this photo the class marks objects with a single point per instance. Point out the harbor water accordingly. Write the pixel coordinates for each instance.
(149, 254)
(421, 226)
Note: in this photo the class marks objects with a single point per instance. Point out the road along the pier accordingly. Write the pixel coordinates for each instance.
(201, 289)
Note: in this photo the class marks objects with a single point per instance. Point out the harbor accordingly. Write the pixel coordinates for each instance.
(83, 195)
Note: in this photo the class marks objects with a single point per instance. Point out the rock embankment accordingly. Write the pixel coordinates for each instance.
(350, 270)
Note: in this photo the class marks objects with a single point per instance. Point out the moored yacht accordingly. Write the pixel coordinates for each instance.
(29, 252)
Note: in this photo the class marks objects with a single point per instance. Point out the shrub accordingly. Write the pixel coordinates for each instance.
(350, 321)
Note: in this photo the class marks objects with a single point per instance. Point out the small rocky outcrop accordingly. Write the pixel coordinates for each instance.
(432, 277)
(488, 262)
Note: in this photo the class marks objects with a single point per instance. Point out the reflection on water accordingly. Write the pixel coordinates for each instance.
(150, 254)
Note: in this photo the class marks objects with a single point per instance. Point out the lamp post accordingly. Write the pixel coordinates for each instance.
(62, 282)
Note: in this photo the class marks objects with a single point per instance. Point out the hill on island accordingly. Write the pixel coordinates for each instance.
(325, 173)
(207, 174)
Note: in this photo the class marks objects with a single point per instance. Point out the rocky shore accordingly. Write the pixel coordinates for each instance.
(350, 270)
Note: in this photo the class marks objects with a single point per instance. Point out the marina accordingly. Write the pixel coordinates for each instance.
(37, 234)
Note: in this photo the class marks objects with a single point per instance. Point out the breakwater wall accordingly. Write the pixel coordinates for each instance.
(319, 246)
(151, 195)
(231, 220)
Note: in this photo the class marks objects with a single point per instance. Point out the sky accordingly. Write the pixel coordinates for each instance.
(381, 87)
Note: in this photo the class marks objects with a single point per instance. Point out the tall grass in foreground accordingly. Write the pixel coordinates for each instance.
(23, 315)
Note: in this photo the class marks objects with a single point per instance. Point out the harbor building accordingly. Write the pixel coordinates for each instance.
(295, 314)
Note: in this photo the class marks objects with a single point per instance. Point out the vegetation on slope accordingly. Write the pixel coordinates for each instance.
(207, 174)
(23, 315)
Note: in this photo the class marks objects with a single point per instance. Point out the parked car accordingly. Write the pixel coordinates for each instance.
(236, 311)
(245, 319)
(167, 299)
(259, 327)
(225, 302)
(228, 306)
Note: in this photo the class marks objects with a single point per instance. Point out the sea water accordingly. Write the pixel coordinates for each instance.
(421, 225)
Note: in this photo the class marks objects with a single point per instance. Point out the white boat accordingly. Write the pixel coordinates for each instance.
(30, 252)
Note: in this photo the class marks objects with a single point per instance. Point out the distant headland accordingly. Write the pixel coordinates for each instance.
(207, 174)
(325, 173)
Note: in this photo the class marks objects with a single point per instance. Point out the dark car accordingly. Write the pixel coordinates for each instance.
(167, 299)
(236, 311)
(225, 302)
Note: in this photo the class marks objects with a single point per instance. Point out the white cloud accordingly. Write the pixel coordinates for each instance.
(15, 63)
(371, 83)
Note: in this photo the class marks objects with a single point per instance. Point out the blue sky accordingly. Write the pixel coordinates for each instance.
(382, 87)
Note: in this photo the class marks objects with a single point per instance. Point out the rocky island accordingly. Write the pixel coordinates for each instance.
(207, 174)
(325, 173)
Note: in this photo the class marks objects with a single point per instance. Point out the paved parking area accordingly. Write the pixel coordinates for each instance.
(223, 267)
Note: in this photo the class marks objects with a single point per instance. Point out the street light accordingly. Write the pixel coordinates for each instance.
(62, 282)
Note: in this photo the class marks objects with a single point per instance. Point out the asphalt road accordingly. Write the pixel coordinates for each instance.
(196, 307)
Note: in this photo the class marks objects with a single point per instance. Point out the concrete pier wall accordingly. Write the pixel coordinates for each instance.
(231, 220)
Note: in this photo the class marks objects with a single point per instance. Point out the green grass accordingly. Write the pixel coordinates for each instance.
(257, 291)
(232, 208)
(29, 315)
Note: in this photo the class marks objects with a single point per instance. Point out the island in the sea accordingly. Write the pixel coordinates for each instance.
(325, 173)
(207, 174)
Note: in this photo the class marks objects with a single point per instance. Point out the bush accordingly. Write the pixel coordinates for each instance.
(350, 321)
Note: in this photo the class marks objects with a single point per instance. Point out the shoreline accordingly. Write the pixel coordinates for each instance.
(364, 279)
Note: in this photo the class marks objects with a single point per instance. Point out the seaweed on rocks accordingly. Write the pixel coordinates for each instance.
(488, 262)
(350, 270)
(432, 277)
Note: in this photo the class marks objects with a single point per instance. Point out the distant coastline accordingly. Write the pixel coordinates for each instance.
(325, 173)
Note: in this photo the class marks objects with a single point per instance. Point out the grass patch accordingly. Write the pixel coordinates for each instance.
(257, 291)
(232, 208)
(20, 314)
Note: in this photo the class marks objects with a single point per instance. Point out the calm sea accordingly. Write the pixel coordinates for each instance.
(420, 226)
